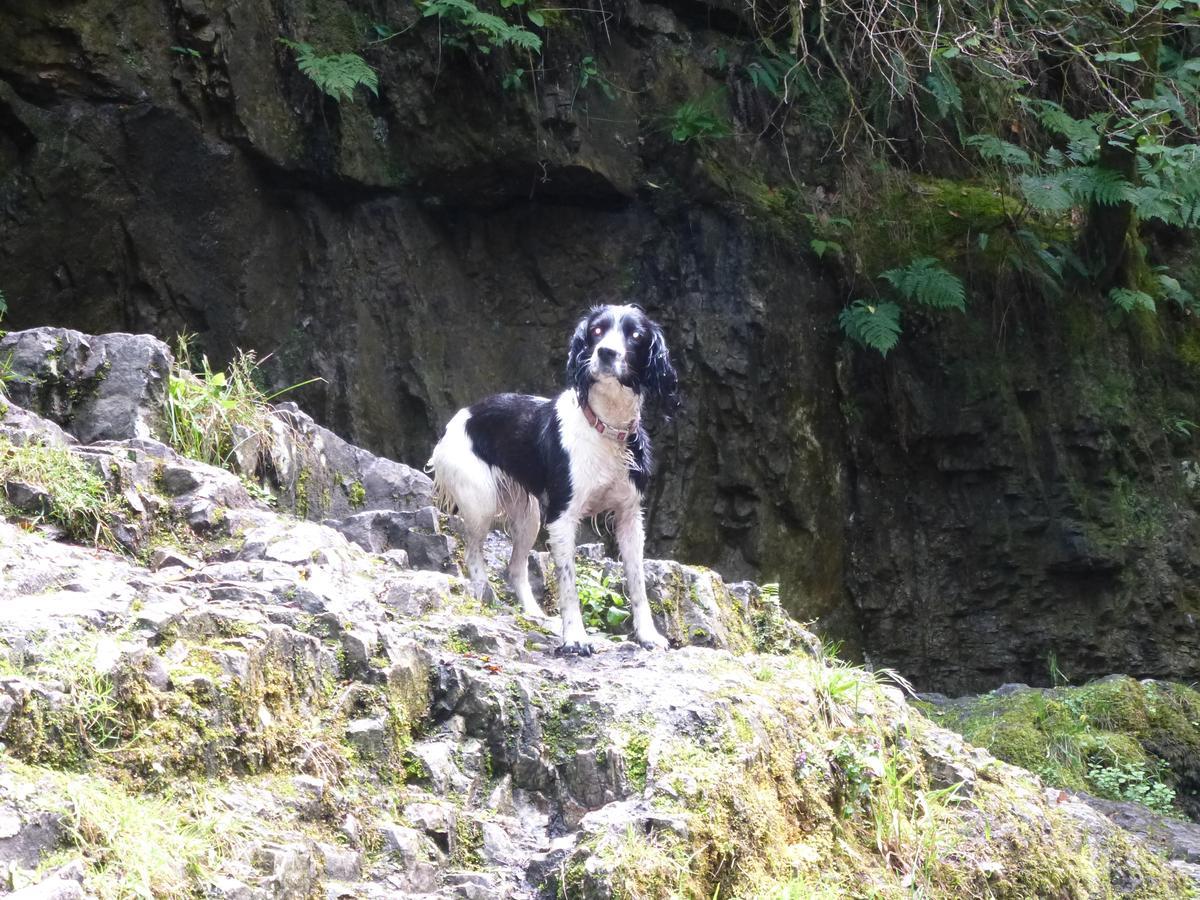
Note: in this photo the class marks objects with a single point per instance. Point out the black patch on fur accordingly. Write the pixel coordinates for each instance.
(520, 435)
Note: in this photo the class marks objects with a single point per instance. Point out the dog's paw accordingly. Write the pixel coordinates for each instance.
(531, 610)
(574, 648)
(652, 640)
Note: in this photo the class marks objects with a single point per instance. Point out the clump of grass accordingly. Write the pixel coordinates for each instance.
(214, 414)
(142, 845)
(79, 499)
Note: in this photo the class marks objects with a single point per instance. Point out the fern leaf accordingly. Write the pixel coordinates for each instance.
(876, 326)
(1093, 184)
(925, 281)
(942, 86)
(992, 147)
(338, 74)
(1172, 289)
(1047, 193)
(1128, 299)
(1056, 119)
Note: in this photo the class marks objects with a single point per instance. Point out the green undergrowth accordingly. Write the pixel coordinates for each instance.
(1118, 738)
(76, 497)
(213, 414)
(816, 782)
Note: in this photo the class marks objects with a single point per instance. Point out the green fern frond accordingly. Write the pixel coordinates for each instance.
(1056, 119)
(941, 84)
(338, 74)
(992, 148)
(1047, 192)
(1093, 184)
(1128, 299)
(925, 281)
(1173, 290)
(489, 29)
(876, 326)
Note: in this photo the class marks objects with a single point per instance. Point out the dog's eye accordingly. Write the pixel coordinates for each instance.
(637, 336)
(597, 331)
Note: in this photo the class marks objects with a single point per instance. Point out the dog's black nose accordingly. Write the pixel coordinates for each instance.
(607, 355)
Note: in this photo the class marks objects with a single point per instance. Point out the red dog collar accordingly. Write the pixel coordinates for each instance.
(617, 434)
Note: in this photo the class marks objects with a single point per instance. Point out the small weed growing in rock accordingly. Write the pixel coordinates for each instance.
(71, 493)
(699, 120)
(603, 607)
(213, 415)
(1134, 783)
(458, 644)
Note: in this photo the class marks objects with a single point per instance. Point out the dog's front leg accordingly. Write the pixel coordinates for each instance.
(631, 538)
(562, 548)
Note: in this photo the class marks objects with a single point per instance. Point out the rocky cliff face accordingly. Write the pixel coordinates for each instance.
(994, 494)
(244, 704)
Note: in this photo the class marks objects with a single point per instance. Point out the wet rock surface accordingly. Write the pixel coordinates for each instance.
(339, 723)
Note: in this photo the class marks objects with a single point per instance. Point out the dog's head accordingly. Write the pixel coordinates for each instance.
(622, 343)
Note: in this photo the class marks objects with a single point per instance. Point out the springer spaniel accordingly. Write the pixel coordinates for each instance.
(581, 454)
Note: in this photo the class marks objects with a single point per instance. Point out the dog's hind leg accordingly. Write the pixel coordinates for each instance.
(524, 516)
(464, 482)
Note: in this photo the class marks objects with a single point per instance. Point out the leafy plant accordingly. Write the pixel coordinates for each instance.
(925, 281)
(487, 31)
(512, 80)
(3, 304)
(589, 73)
(337, 74)
(1128, 299)
(1133, 783)
(213, 414)
(827, 232)
(604, 608)
(873, 325)
(699, 120)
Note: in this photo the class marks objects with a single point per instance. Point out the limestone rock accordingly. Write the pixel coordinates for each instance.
(98, 387)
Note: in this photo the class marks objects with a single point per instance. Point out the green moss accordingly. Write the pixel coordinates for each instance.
(356, 493)
(301, 492)
(1188, 348)
(1066, 734)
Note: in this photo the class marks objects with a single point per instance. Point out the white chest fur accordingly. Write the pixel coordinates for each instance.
(599, 465)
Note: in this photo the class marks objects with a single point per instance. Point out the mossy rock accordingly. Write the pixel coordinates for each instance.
(1068, 734)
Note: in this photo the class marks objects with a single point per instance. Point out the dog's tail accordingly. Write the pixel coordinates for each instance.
(442, 498)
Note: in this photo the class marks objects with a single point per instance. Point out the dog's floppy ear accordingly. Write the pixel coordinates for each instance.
(660, 378)
(577, 361)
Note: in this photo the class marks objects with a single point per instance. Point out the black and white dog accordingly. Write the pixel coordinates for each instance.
(582, 454)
